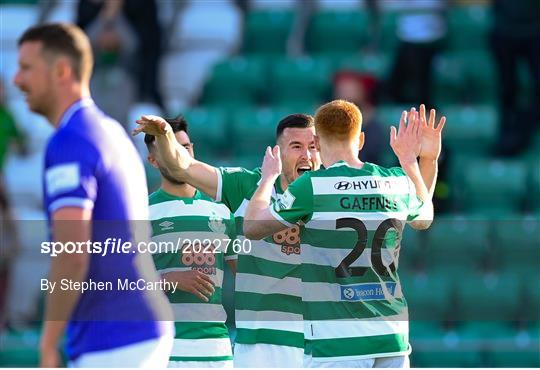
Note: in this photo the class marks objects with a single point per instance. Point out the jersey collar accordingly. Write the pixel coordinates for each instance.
(73, 108)
(339, 164)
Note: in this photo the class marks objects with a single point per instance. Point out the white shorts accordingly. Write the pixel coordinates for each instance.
(267, 355)
(203, 364)
(392, 362)
(153, 353)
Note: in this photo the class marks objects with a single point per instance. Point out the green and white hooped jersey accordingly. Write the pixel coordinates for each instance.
(201, 333)
(268, 303)
(353, 220)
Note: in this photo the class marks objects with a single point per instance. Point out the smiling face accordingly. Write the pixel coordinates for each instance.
(35, 77)
(298, 152)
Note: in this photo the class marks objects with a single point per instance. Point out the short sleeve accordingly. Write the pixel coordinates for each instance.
(70, 173)
(236, 184)
(296, 203)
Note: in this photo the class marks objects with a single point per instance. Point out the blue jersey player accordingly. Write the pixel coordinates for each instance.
(94, 189)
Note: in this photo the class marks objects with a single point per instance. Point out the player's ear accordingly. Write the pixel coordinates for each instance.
(62, 68)
(317, 144)
(361, 141)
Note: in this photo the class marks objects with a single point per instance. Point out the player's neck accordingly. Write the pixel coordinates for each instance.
(283, 182)
(348, 155)
(65, 100)
(182, 191)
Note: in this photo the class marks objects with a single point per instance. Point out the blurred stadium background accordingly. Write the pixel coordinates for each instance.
(234, 68)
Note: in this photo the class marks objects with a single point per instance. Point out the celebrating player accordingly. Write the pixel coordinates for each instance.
(92, 173)
(182, 214)
(268, 291)
(353, 214)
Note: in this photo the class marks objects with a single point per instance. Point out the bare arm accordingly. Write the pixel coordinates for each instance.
(258, 221)
(431, 147)
(176, 158)
(69, 224)
(406, 145)
(413, 171)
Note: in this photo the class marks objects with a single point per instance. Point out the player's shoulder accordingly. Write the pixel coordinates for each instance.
(71, 144)
(241, 170)
(217, 209)
(157, 197)
(381, 171)
(241, 174)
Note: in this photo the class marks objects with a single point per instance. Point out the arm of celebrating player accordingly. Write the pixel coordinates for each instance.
(431, 146)
(259, 221)
(70, 224)
(406, 145)
(176, 158)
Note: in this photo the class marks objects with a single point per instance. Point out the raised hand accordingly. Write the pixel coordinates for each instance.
(152, 125)
(406, 141)
(431, 135)
(271, 167)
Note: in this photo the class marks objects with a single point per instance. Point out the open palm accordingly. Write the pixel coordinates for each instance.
(431, 135)
(152, 125)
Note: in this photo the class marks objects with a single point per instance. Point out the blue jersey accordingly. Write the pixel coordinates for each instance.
(91, 163)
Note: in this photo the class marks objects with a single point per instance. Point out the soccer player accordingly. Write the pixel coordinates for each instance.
(94, 186)
(183, 215)
(268, 305)
(353, 214)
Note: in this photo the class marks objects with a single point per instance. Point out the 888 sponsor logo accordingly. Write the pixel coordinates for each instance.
(289, 240)
(198, 258)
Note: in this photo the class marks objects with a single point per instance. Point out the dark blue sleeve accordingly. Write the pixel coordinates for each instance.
(70, 177)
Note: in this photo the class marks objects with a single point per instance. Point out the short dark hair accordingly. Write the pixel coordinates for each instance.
(67, 40)
(178, 124)
(297, 120)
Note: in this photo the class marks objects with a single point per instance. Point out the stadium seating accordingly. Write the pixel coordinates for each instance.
(465, 77)
(488, 296)
(388, 40)
(442, 349)
(305, 80)
(259, 125)
(516, 241)
(19, 348)
(236, 81)
(428, 296)
(468, 27)
(376, 64)
(493, 187)
(337, 31)
(533, 196)
(267, 31)
(471, 130)
(532, 309)
(411, 247)
(456, 244)
(390, 114)
(207, 129)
